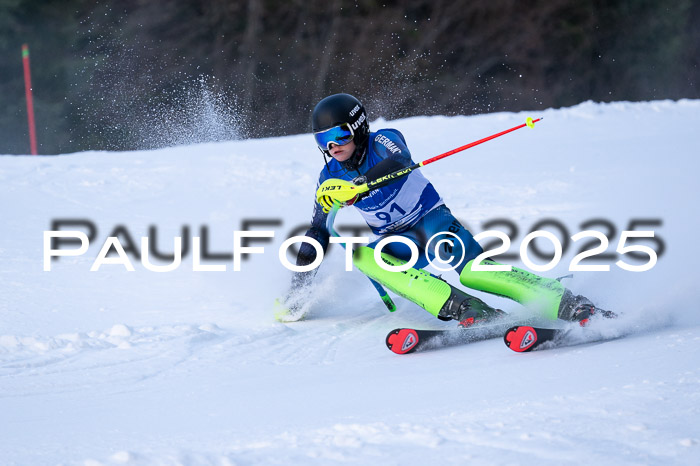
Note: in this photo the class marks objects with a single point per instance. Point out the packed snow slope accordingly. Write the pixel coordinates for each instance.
(189, 367)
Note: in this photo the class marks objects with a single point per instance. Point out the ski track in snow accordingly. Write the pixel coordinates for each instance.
(188, 368)
(559, 428)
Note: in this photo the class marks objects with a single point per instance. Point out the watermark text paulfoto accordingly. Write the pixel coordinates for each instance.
(594, 245)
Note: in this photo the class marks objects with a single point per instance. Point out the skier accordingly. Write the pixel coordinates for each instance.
(409, 207)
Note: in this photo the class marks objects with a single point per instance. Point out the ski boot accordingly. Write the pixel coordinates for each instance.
(578, 308)
(467, 310)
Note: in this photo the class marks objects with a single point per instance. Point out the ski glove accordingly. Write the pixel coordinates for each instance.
(340, 191)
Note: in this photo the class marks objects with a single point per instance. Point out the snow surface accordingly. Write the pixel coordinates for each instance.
(117, 367)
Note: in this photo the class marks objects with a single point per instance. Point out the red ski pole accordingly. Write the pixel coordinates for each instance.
(30, 103)
(345, 191)
(391, 177)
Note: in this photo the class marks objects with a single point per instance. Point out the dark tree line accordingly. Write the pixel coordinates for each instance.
(144, 73)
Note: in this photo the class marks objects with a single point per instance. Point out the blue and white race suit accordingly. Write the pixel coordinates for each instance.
(398, 206)
(409, 207)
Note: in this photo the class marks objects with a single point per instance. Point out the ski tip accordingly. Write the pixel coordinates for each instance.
(520, 338)
(402, 340)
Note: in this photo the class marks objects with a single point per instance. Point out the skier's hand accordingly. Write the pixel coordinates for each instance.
(340, 191)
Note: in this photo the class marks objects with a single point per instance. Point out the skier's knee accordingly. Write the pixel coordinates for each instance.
(539, 293)
(364, 259)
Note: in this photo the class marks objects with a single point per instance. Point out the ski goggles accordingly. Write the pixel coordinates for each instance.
(340, 135)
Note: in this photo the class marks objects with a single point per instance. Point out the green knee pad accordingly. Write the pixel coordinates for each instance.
(538, 293)
(416, 285)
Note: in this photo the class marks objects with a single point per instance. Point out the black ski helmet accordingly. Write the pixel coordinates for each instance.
(337, 109)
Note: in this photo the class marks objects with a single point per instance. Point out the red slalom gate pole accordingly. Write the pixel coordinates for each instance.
(30, 102)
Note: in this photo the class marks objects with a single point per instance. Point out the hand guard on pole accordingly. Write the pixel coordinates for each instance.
(341, 191)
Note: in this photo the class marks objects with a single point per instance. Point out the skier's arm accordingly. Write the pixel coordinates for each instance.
(307, 253)
(290, 307)
(391, 147)
(388, 165)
